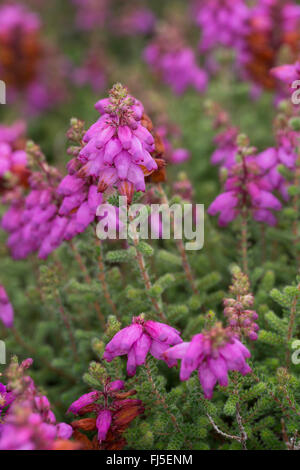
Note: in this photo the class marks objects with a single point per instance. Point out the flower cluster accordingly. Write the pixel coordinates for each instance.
(139, 339)
(28, 422)
(30, 220)
(237, 310)
(175, 62)
(222, 23)
(13, 161)
(212, 353)
(246, 188)
(114, 412)
(6, 309)
(118, 147)
(225, 153)
(283, 154)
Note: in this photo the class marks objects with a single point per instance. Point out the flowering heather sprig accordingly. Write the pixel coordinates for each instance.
(283, 154)
(6, 399)
(54, 210)
(118, 147)
(113, 412)
(30, 220)
(28, 422)
(237, 310)
(174, 62)
(226, 138)
(139, 339)
(246, 188)
(6, 309)
(212, 353)
(13, 161)
(222, 22)
(226, 151)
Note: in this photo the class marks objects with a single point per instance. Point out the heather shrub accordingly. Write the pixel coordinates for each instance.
(138, 343)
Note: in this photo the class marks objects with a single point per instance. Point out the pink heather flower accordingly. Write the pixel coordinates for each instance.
(175, 63)
(11, 161)
(117, 150)
(115, 386)
(79, 204)
(212, 354)
(14, 17)
(287, 73)
(63, 431)
(140, 338)
(6, 398)
(31, 223)
(50, 213)
(90, 398)
(11, 134)
(227, 148)
(246, 186)
(108, 406)
(103, 423)
(222, 22)
(6, 309)
(84, 400)
(28, 422)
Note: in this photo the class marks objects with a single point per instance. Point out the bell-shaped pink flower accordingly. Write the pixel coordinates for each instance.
(212, 354)
(139, 339)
